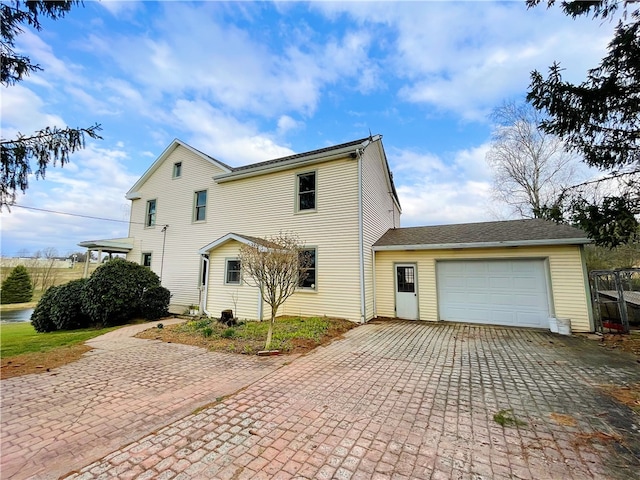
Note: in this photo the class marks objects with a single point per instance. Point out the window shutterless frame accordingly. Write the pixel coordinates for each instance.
(232, 271)
(200, 206)
(177, 170)
(306, 190)
(308, 278)
(146, 259)
(150, 213)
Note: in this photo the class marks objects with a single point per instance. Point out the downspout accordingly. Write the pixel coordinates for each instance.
(373, 268)
(363, 305)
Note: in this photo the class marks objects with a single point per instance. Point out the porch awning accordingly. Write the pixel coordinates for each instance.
(112, 245)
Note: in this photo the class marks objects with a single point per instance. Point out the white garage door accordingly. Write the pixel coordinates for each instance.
(500, 292)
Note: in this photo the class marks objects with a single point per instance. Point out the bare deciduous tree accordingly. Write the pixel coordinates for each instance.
(530, 167)
(276, 265)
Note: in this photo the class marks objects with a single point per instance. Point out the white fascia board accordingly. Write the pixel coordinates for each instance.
(285, 165)
(133, 196)
(221, 241)
(458, 246)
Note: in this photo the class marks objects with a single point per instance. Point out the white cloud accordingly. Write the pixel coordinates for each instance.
(435, 191)
(25, 112)
(466, 57)
(226, 138)
(93, 184)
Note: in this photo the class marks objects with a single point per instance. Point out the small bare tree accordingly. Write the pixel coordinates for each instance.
(49, 272)
(276, 265)
(530, 167)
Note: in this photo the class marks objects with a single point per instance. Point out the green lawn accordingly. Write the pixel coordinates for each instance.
(19, 338)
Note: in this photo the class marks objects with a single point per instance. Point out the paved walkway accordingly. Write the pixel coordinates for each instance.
(406, 400)
(126, 387)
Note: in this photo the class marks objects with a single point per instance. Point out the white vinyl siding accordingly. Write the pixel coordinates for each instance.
(241, 298)
(181, 268)
(257, 206)
(569, 297)
(379, 212)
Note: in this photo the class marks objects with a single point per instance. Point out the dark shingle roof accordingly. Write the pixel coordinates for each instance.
(299, 155)
(511, 231)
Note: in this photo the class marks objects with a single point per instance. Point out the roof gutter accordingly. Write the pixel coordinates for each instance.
(511, 243)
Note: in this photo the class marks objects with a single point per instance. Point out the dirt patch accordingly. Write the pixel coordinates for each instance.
(583, 439)
(39, 362)
(627, 395)
(566, 420)
(176, 334)
(626, 343)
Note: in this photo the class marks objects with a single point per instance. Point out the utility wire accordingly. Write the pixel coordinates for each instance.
(74, 214)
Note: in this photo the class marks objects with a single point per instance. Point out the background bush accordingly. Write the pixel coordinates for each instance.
(66, 310)
(114, 293)
(41, 318)
(17, 287)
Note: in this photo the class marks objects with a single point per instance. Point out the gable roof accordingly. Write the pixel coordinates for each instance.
(510, 233)
(246, 239)
(132, 194)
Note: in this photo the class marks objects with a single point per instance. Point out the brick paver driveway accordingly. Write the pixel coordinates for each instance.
(126, 387)
(409, 400)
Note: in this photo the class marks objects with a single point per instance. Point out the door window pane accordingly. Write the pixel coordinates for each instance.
(406, 279)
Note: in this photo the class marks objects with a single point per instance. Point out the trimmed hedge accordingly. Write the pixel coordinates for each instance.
(67, 308)
(155, 303)
(41, 318)
(115, 293)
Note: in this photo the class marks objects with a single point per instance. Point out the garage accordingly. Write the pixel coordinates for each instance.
(513, 273)
(500, 292)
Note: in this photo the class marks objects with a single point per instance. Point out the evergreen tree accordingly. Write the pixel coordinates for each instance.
(49, 145)
(17, 288)
(600, 120)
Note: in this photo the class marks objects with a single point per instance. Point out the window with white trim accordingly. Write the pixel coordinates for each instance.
(150, 219)
(307, 260)
(146, 259)
(200, 206)
(177, 170)
(232, 272)
(306, 191)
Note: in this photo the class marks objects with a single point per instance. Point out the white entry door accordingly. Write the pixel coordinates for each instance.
(406, 292)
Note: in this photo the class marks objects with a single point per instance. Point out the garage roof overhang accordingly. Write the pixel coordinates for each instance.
(458, 246)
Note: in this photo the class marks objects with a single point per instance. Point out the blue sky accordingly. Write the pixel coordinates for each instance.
(247, 82)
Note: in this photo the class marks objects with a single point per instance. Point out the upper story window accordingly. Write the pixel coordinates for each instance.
(307, 260)
(200, 206)
(150, 219)
(146, 260)
(177, 170)
(232, 273)
(306, 191)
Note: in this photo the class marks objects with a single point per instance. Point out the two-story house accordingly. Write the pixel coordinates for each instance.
(190, 213)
